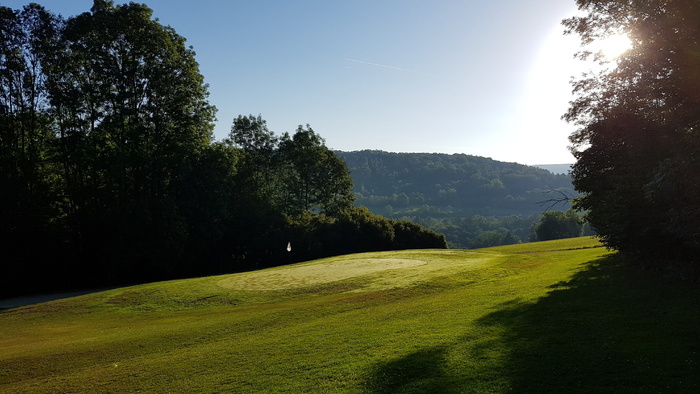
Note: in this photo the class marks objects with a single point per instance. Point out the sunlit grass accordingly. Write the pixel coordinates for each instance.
(539, 317)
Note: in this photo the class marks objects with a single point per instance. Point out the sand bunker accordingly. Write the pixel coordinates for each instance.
(309, 275)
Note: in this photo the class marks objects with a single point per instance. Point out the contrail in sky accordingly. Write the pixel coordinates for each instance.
(378, 65)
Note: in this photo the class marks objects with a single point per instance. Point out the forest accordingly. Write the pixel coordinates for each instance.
(109, 173)
(474, 201)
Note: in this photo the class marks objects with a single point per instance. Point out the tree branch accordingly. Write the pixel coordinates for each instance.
(560, 197)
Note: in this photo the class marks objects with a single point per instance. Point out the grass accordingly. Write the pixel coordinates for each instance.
(558, 316)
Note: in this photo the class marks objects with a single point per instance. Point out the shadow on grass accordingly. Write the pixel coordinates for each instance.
(419, 372)
(608, 329)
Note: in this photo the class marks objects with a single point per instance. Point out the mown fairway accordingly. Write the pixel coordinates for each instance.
(556, 316)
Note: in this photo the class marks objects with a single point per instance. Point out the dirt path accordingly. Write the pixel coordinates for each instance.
(16, 302)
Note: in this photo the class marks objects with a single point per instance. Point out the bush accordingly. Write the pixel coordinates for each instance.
(559, 225)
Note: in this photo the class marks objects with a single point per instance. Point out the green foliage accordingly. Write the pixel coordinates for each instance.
(108, 171)
(315, 179)
(28, 176)
(294, 189)
(469, 184)
(293, 174)
(474, 201)
(559, 225)
(409, 235)
(356, 230)
(637, 138)
(386, 234)
(258, 177)
(133, 120)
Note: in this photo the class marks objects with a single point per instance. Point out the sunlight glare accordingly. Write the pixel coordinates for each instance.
(613, 46)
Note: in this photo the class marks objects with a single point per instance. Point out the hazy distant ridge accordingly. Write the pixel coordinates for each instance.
(555, 168)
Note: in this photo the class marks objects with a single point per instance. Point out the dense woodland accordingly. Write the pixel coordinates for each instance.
(109, 173)
(474, 201)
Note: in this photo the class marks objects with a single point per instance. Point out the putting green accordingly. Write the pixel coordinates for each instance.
(316, 274)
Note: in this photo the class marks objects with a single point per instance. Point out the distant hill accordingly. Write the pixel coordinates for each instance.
(467, 184)
(555, 168)
(465, 197)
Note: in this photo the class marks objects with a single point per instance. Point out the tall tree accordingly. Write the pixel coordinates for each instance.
(108, 172)
(27, 182)
(639, 122)
(259, 178)
(292, 174)
(132, 115)
(282, 185)
(316, 179)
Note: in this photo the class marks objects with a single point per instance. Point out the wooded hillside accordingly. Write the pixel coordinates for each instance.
(475, 201)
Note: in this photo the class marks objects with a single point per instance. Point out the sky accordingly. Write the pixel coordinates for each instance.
(486, 78)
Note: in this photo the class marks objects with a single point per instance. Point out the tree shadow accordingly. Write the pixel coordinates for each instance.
(419, 372)
(607, 329)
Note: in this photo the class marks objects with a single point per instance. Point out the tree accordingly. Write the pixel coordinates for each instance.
(108, 170)
(559, 225)
(293, 188)
(288, 187)
(639, 119)
(132, 117)
(25, 137)
(250, 134)
(315, 178)
(259, 176)
(408, 235)
(28, 189)
(294, 174)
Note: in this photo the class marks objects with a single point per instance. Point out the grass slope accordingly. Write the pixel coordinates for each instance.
(557, 316)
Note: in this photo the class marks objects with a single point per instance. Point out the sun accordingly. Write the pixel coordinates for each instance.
(613, 46)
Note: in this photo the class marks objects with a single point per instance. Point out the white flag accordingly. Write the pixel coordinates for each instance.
(289, 247)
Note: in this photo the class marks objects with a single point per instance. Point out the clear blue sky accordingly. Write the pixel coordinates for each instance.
(487, 78)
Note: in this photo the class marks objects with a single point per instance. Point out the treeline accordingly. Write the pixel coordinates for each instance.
(109, 173)
(638, 140)
(474, 201)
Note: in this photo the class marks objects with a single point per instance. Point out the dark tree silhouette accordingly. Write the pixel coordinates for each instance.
(638, 120)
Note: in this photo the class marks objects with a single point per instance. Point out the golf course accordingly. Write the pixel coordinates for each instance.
(558, 316)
